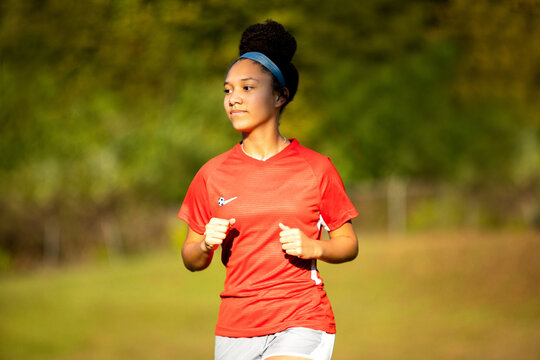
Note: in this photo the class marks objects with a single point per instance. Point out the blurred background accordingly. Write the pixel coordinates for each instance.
(430, 110)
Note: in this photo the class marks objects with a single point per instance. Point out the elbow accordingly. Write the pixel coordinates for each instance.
(193, 264)
(352, 253)
(343, 258)
(354, 248)
(190, 267)
(347, 250)
(194, 267)
(349, 256)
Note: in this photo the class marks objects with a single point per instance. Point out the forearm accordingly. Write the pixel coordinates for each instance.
(342, 246)
(337, 250)
(198, 249)
(196, 256)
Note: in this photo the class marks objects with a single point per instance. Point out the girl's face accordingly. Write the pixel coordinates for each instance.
(250, 101)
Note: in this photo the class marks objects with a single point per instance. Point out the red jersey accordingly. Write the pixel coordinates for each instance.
(267, 290)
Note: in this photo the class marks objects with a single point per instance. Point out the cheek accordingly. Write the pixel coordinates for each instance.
(267, 103)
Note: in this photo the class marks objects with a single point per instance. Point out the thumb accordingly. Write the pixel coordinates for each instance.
(232, 221)
(283, 227)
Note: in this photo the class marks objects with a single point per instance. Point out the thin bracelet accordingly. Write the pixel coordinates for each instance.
(208, 247)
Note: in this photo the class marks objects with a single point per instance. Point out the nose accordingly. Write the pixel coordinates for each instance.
(234, 98)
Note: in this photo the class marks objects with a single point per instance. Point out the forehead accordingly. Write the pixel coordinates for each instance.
(246, 68)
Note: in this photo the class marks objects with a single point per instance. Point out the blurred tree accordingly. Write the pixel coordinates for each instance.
(107, 106)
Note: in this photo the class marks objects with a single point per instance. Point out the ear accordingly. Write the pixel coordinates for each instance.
(281, 97)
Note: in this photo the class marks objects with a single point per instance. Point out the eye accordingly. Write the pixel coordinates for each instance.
(227, 91)
(247, 87)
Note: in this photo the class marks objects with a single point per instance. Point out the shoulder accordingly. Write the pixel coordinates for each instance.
(213, 164)
(321, 167)
(318, 162)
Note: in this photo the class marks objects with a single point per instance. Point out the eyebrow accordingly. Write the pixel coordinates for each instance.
(244, 79)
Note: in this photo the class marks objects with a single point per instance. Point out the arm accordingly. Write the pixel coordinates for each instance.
(198, 250)
(342, 246)
(195, 254)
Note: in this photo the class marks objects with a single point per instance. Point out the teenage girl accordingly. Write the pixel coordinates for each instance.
(265, 203)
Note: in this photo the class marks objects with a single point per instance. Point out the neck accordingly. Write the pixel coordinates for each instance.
(263, 146)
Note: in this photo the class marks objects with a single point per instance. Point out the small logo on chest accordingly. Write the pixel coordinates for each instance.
(222, 200)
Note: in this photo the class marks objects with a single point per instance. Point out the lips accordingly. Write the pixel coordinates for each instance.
(237, 112)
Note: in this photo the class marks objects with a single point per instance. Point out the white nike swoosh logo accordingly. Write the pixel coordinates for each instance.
(222, 201)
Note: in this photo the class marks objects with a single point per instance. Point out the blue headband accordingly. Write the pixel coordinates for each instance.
(267, 63)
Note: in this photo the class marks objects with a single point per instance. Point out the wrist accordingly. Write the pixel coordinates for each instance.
(206, 248)
(319, 249)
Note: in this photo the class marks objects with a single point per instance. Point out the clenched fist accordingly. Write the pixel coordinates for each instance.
(216, 232)
(294, 242)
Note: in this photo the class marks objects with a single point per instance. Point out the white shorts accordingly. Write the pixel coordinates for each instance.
(296, 341)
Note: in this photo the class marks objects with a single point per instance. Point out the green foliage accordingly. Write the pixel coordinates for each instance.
(110, 103)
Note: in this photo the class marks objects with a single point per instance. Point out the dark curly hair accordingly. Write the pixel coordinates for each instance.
(279, 45)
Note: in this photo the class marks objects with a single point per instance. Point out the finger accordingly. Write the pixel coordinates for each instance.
(283, 227)
(292, 252)
(288, 246)
(287, 235)
(232, 221)
(214, 236)
(291, 233)
(287, 249)
(292, 244)
(217, 231)
(217, 228)
(285, 240)
(213, 241)
(218, 221)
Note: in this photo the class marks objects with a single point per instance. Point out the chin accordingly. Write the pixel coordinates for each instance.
(241, 126)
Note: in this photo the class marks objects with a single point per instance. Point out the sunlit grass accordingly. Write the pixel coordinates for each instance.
(139, 308)
(436, 296)
(457, 296)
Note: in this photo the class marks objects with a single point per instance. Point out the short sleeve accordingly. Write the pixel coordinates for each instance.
(336, 208)
(195, 209)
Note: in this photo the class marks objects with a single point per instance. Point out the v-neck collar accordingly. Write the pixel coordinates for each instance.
(283, 152)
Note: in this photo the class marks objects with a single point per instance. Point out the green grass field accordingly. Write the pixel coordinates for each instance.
(460, 295)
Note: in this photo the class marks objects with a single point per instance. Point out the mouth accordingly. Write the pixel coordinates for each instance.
(237, 112)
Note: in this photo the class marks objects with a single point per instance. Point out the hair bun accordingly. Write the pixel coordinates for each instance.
(271, 39)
